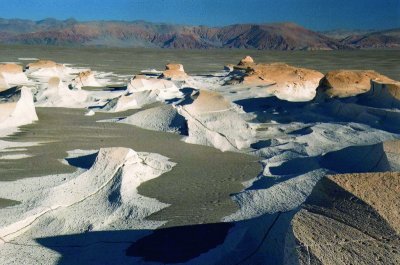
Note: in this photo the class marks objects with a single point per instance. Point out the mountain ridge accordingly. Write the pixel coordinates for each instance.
(139, 33)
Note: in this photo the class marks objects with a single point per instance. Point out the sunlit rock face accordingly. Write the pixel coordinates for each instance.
(213, 120)
(347, 83)
(348, 218)
(18, 110)
(47, 69)
(41, 64)
(10, 68)
(11, 74)
(174, 72)
(85, 78)
(246, 60)
(282, 80)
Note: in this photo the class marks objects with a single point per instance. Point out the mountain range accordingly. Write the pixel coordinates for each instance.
(276, 36)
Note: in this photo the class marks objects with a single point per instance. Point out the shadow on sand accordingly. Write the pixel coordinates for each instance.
(164, 245)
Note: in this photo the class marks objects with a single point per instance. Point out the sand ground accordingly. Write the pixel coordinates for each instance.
(198, 188)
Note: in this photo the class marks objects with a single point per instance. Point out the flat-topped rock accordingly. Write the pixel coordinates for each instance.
(11, 68)
(347, 83)
(42, 64)
(173, 66)
(208, 101)
(282, 80)
(174, 72)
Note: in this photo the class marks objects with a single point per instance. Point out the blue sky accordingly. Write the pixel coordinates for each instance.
(314, 14)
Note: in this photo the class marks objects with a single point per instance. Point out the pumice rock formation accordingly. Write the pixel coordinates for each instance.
(348, 83)
(18, 110)
(352, 218)
(213, 120)
(46, 69)
(85, 78)
(246, 61)
(174, 72)
(12, 74)
(282, 80)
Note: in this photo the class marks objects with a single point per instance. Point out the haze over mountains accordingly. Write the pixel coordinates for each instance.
(277, 36)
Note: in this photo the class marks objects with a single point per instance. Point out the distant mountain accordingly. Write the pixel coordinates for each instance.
(278, 36)
(340, 34)
(378, 39)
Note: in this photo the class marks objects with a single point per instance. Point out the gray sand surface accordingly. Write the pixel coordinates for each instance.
(198, 188)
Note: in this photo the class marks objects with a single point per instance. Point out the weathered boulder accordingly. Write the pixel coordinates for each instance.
(174, 72)
(10, 68)
(282, 80)
(11, 74)
(41, 64)
(348, 83)
(246, 60)
(85, 78)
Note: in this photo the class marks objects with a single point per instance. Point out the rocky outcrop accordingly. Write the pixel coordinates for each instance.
(10, 68)
(246, 61)
(11, 74)
(282, 80)
(41, 64)
(347, 83)
(348, 218)
(174, 72)
(85, 78)
(383, 93)
(17, 111)
(161, 118)
(213, 120)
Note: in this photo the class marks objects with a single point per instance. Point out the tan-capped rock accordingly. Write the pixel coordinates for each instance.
(246, 60)
(174, 72)
(41, 64)
(282, 80)
(348, 83)
(347, 214)
(11, 68)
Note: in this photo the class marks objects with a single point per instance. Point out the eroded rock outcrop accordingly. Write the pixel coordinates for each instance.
(161, 118)
(213, 120)
(10, 68)
(347, 83)
(57, 94)
(383, 93)
(174, 72)
(85, 78)
(46, 69)
(41, 64)
(17, 110)
(282, 80)
(348, 218)
(11, 74)
(247, 60)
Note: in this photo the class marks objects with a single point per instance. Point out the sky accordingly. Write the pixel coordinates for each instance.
(313, 14)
